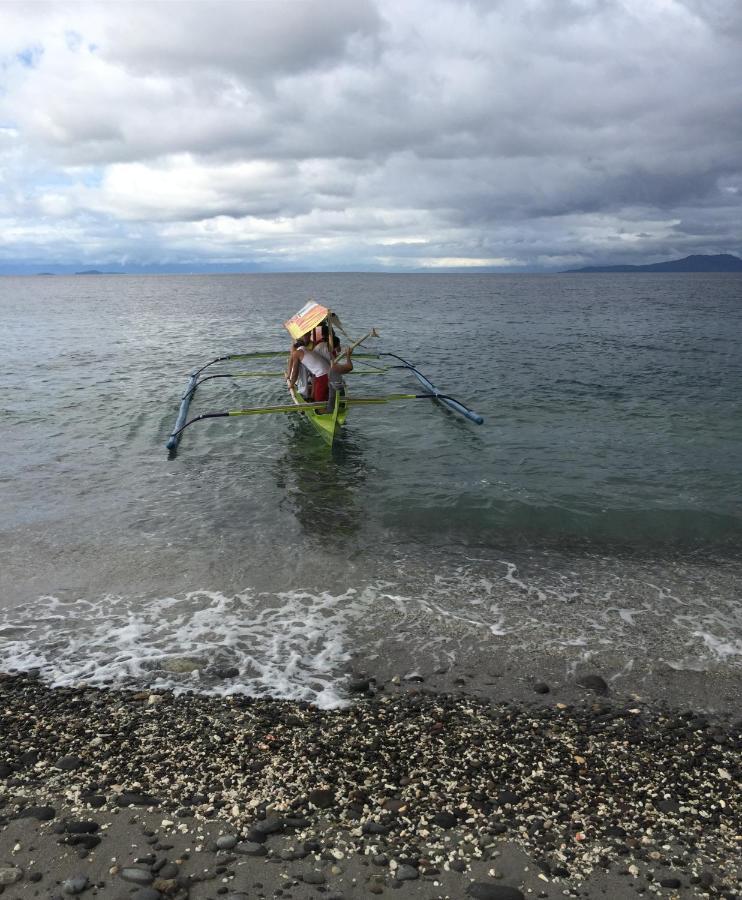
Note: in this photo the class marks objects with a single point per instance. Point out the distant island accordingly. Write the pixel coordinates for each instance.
(720, 262)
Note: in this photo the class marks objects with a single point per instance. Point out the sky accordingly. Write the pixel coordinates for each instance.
(368, 135)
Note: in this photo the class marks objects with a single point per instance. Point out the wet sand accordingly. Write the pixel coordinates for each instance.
(420, 794)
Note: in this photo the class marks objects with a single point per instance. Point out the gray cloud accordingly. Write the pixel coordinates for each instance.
(328, 133)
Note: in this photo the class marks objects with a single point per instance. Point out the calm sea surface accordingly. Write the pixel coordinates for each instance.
(597, 511)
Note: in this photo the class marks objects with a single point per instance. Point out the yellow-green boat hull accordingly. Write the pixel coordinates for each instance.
(327, 425)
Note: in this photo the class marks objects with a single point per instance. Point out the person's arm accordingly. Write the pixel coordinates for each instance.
(344, 367)
(294, 361)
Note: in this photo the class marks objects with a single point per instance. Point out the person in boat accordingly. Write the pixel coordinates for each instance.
(315, 364)
(327, 343)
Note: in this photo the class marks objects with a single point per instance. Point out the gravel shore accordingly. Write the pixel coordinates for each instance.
(118, 794)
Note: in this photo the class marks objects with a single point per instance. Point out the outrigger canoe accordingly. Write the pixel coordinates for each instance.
(327, 424)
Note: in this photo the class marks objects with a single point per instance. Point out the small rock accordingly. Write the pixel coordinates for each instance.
(75, 885)
(42, 813)
(445, 819)
(271, 825)
(226, 842)
(181, 665)
(226, 672)
(134, 798)
(137, 876)
(414, 676)
(314, 877)
(667, 806)
(322, 798)
(146, 893)
(406, 873)
(169, 870)
(88, 841)
(250, 848)
(670, 882)
(68, 763)
(81, 827)
(593, 683)
(10, 875)
(481, 890)
(374, 827)
(359, 685)
(541, 687)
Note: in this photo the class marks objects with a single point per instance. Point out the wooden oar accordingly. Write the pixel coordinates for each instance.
(372, 333)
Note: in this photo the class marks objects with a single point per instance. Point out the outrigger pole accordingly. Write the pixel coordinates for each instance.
(452, 404)
(193, 383)
(293, 408)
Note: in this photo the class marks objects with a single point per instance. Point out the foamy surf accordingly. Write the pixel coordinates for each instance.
(304, 644)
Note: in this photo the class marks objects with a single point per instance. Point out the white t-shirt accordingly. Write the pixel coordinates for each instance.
(315, 363)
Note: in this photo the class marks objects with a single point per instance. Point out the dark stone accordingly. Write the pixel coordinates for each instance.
(445, 819)
(42, 813)
(314, 877)
(137, 876)
(271, 825)
(322, 798)
(226, 842)
(82, 827)
(406, 873)
(68, 763)
(134, 798)
(226, 672)
(88, 841)
(146, 893)
(593, 683)
(670, 882)
(169, 870)
(482, 890)
(256, 837)
(373, 827)
(667, 806)
(541, 687)
(95, 800)
(75, 885)
(250, 848)
(359, 685)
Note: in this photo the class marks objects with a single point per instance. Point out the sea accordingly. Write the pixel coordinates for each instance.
(594, 520)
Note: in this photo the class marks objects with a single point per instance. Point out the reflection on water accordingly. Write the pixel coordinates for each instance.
(321, 485)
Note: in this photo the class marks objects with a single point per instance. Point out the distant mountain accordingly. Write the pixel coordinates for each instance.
(721, 262)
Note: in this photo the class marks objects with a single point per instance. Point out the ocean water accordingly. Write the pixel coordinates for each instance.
(596, 515)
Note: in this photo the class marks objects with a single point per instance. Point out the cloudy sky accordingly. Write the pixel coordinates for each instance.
(396, 135)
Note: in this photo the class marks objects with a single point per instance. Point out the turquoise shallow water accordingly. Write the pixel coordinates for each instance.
(606, 479)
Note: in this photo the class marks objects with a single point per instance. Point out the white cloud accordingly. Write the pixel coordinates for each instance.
(335, 133)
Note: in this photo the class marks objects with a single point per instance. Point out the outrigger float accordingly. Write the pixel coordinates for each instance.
(328, 423)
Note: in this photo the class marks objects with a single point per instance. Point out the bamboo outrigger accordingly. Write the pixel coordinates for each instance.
(327, 422)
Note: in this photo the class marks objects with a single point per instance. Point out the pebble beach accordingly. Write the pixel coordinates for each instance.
(413, 793)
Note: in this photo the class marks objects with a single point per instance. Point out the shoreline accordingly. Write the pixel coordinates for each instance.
(422, 793)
